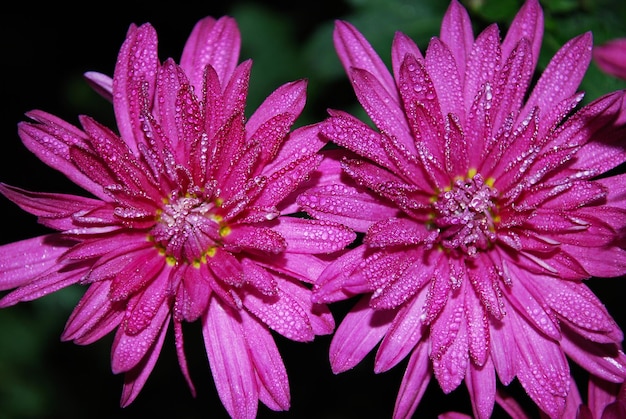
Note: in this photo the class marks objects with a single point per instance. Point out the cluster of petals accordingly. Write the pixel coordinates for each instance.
(188, 218)
(484, 202)
(611, 57)
(604, 400)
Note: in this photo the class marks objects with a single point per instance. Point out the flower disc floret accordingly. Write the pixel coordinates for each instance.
(464, 215)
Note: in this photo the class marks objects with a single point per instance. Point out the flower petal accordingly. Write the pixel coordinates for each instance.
(359, 332)
(229, 359)
(313, 236)
(211, 42)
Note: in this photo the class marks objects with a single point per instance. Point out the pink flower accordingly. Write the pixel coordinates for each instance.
(483, 207)
(611, 57)
(187, 220)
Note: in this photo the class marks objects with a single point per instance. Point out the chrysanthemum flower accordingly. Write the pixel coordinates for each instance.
(484, 207)
(611, 57)
(188, 219)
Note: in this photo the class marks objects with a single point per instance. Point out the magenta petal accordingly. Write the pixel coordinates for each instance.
(129, 350)
(25, 260)
(303, 267)
(481, 384)
(268, 363)
(288, 98)
(282, 313)
(94, 316)
(314, 236)
(101, 83)
(385, 111)
(346, 205)
(135, 379)
(443, 70)
(404, 334)
(528, 24)
(51, 141)
(229, 359)
(137, 63)
(414, 383)
(355, 51)
(320, 317)
(49, 204)
(562, 76)
(456, 32)
(611, 57)
(215, 43)
(399, 231)
(542, 369)
(44, 284)
(359, 332)
(401, 46)
(332, 280)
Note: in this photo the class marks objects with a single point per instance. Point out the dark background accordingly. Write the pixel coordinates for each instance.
(44, 58)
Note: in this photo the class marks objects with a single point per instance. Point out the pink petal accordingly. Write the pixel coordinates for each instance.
(48, 204)
(215, 43)
(402, 45)
(456, 32)
(51, 140)
(381, 106)
(562, 76)
(251, 237)
(447, 328)
(603, 150)
(409, 276)
(128, 351)
(355, 51)
(347, 205)
(144, 267)
(301, 266)
(542, 368)
(229, 359)
(603, 361)
(303, 141)
(403, 335)
(137, 63)
(527, 296)
(528, 24)
(347, 131)
(288, 98)
(414, 383)
(611, 57)
(398, 231)
(359, 332)
(267, 361)
(477, 324)
(24, 260)
(101, 83)
(320, 317)
(282, 313)
(135, 379)
(313, 236)
(482, 63)
(481, 384)
(604, 262)
(331, 281)
(503, 349)
(141, 311)
(94, 316)
(48, 282)
(286, 179)
(443, 69)
(180, 353)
